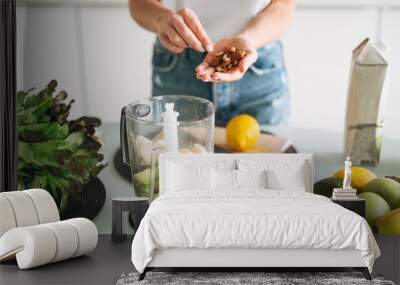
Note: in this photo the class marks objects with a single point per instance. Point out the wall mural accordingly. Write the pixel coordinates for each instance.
(59, 154)
(382, 196)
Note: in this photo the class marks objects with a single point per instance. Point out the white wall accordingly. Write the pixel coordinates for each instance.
(117, 56)
(318, 53)
(391, 36)
(103, 59)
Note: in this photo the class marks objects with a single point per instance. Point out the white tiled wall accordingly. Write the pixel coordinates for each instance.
(103, 59)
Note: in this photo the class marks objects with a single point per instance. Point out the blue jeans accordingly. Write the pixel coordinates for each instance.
(262, 92)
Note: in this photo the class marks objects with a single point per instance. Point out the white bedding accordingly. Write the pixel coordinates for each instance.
(251, 218)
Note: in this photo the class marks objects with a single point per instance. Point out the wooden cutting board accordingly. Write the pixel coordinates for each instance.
(266, 143)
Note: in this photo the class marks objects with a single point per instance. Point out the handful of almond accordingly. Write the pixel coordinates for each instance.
(228, 59)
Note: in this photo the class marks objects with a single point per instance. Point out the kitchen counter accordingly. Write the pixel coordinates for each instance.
(325, 145)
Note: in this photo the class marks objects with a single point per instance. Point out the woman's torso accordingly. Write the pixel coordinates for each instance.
(262, 92)
(221, 18)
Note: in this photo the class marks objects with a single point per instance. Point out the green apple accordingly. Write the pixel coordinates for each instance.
(376, 207)
(387, 188)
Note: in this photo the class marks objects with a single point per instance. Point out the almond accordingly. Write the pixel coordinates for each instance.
(228, 59)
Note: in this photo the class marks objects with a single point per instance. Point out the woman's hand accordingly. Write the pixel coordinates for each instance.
(207, 73)
(180, 30)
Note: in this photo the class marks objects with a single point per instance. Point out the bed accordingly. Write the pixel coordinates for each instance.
(247, 210)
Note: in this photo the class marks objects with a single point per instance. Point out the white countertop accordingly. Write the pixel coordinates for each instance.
(326, 146)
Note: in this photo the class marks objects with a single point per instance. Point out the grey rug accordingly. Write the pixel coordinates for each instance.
(243, 278)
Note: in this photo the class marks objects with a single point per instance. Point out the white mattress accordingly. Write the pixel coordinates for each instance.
(250, 219)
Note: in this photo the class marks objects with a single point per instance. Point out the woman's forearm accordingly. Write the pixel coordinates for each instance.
(268, 25)
(147, 12)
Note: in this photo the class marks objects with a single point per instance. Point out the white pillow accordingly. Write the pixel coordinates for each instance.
(183, 177)
(251, 178)
(294, 179)
(224, 179)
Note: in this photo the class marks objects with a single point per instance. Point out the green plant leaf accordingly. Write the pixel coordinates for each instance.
(42, 132)
(51, 153)
(39, 182)
(59, 182)
(21, 165)
(82, 153)
(21, 184)
(64, 202)
(38, 113)
(32, 101)
(99, 167)
(91, 144)
(21, 96)
(53, 190)
(75, 137)
(23, 175)
(55, 154)
(84, 122)
(48, 91)
(61, 96)
(25, 152)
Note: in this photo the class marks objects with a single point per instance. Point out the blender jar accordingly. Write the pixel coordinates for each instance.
(176, 124)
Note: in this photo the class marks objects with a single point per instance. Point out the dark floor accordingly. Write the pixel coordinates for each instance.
(103, 266)
(110, 259)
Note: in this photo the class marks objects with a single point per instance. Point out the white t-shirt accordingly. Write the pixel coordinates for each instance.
(221, 18)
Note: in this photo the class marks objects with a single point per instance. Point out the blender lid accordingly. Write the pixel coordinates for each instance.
(141, 110)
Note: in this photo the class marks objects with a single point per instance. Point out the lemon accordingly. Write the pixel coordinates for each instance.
(242, 132)
(360, 176)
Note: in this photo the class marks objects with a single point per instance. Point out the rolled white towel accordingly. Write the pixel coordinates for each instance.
(32, 246)
(45, 206)
(23, 208)
(67, 240)
(87, 233)
(26, 208)
(40, 244)
(7, 218)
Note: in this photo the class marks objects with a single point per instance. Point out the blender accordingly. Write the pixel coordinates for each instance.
(173, 124)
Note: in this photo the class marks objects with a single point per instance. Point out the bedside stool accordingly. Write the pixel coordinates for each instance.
(134, 205)
(357, 205)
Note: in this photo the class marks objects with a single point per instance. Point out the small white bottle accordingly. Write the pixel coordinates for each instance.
(170, 124)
